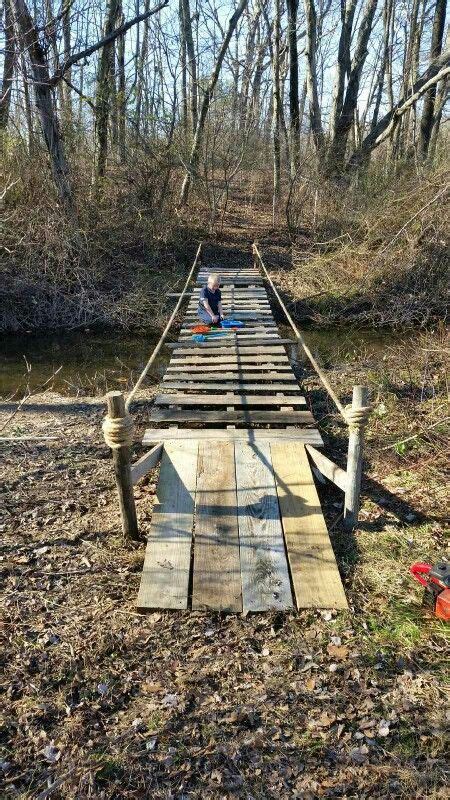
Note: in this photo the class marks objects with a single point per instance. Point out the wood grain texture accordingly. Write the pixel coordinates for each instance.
(264, 569)
(227, 377)
(217, 574)
(165, 576)
(224, 399)
(314, 571)
(241, 386)
(305, 435)
(254, 417)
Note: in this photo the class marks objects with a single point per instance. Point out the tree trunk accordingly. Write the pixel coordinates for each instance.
(192, 62)
(438, 70)
(66, 90)
(441, 99)
(197, 143)
(8, 66)
(27, 34)
(343, 65)
(121, 95)
(294, 117)
(183, 62)
(276, 112)
(142, 60)
(315, 117)
(103, 93)
(428, 111)
(345, 120)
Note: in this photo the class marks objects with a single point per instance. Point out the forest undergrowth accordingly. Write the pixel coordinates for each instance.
(373, 255)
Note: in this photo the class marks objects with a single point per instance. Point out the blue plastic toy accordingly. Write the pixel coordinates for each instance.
(232, 323)
(200, 337)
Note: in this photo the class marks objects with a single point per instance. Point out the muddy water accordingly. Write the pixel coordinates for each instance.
(91, 363)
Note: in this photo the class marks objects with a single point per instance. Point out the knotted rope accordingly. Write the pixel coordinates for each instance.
(357, 418)
(118, 432)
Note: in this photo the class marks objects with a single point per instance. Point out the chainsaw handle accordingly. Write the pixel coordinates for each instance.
(419, 570)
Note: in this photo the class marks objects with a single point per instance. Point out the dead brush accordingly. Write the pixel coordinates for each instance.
(377, 258)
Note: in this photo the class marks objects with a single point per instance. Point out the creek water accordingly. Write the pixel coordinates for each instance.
(91, 363)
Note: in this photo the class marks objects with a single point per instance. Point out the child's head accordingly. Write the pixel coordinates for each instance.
(213, 281)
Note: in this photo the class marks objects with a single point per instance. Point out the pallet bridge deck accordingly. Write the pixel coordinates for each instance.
(237, 525)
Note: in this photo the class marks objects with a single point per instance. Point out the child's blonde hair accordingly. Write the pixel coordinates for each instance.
(213, 278)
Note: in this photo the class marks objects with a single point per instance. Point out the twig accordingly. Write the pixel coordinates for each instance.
(436, 197)
(30, 394)
(417, 435)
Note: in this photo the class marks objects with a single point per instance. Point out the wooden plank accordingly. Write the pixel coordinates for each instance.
(328, 468)
(245, 417)
(165, 576)
(219, 346)
(226, 377)
(237, 360)
(180, 399)
(210, 370)
(305, 435)
(230, 387)
(314, 571)
(233, 341)
(217, 574)
(264, 569)
(147, 462)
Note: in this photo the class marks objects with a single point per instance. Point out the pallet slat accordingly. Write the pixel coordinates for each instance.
(223, 400)
(305, 435)
(314, 571)
(217, 574)
(225, 417)
(264, 569)
(165, 575)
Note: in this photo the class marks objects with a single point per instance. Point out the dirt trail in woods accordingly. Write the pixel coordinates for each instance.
(197, 705)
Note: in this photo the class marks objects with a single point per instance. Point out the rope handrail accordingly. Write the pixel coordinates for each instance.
(160, 343)
(300, 338)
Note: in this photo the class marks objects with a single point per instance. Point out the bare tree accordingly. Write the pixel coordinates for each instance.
(428, 113)
(8, 66)
(209, 91)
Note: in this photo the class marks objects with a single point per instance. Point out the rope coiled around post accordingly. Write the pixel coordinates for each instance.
(357, 418)
(118, 432)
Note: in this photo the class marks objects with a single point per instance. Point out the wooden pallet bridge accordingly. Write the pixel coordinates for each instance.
(237, 525)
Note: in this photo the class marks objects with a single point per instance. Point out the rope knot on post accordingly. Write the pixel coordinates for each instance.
(118, 431)
(357, 418)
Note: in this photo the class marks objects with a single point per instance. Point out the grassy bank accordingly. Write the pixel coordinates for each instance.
(317, 704)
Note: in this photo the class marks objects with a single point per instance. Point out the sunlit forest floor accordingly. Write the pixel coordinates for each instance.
(102, 702)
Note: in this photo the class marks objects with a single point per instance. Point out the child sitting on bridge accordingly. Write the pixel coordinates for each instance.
(210, 310)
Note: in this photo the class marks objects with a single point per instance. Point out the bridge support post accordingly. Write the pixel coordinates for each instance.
(357, 415)
(118, 432)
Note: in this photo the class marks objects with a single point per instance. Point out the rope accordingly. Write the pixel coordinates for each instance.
(357, 418)
(300, 338)
(155, 352)
(118, 432)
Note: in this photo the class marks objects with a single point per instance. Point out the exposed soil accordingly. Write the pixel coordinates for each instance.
(100, 701)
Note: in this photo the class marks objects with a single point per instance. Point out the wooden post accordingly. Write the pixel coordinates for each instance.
(122, 470)
(354, 460)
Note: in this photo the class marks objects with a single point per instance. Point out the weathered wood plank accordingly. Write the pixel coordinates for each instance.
(225, 399)
(314, 571)
(147, 462)
(240, 386)
(284, 371)
(305, 435)
(246, 417)
(235, 350)
(165, 576)
(217, 574)
(264, 569)
(328, 468)
(230, 347)
(236, 359)
(226, 377)
(230, 341)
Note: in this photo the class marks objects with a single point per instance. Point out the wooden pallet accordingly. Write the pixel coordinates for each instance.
(250, 513)
(237, 525)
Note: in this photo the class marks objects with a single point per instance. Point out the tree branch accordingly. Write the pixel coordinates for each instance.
(88, 51)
